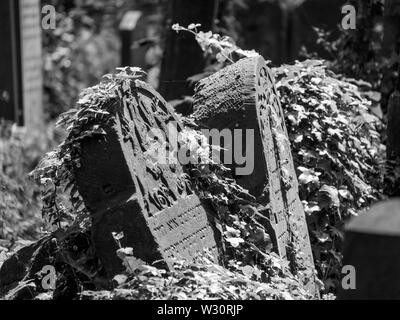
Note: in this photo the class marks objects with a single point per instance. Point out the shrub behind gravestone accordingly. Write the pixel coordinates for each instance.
(337, 151)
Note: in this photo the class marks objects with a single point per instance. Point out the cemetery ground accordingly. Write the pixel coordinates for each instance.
(247, 197)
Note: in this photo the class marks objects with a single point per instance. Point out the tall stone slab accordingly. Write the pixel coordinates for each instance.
(243, 96)
(393, 144)
(127, 191)
(183, 57)
(21, 63)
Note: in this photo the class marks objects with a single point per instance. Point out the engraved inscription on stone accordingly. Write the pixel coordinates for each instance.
(184, 234)
(271, 119)
(244, 96)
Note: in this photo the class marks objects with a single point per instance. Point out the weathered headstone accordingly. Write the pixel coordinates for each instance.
(391, 36)
(153, 204)
(371, 249)
(21, 63)
(243, 96)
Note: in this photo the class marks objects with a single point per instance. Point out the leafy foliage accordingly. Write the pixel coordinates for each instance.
(246, 242)
(20, 203)
(357, 53)
(337, 151)
(82, 48)
(200, 280)
(361, 53)
(336, 148)
(221, 49)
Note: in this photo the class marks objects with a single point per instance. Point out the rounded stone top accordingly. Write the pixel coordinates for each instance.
(382, 219)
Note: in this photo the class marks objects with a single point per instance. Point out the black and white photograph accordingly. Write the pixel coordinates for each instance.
(203, 154)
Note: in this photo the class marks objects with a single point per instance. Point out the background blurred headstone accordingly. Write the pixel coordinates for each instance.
(140, 32)
(372, 246)
(21, 63)
(183, 57)
(279, 29)
(127, 28)
(393, 128)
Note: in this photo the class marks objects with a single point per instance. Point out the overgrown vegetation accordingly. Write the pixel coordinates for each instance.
(202, 280)
(20, 199)
(247, 245)
(83, 47)
(338, 153)
(336, 146)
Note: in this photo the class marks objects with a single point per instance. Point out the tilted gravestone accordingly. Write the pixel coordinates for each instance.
(243, 96)
(21, 63)
(152, 203)
(371, 260)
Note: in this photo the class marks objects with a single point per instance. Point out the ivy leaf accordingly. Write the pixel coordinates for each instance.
(235, 242)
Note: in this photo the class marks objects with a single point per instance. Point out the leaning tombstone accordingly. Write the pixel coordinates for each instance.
(371, 260)
(243, 97)
(21, 63)
(148, 203)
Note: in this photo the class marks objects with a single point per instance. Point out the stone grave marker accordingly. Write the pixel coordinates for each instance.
(21, 63)
(126, 28)
(243, 96)
(393, 127)
(371, 249)
(140, 32)
(182, 56)
(393, 144)
(153, 204)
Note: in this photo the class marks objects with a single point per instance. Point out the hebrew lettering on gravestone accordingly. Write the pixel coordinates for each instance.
(21, 63)
(152, 203)
(243, 96)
